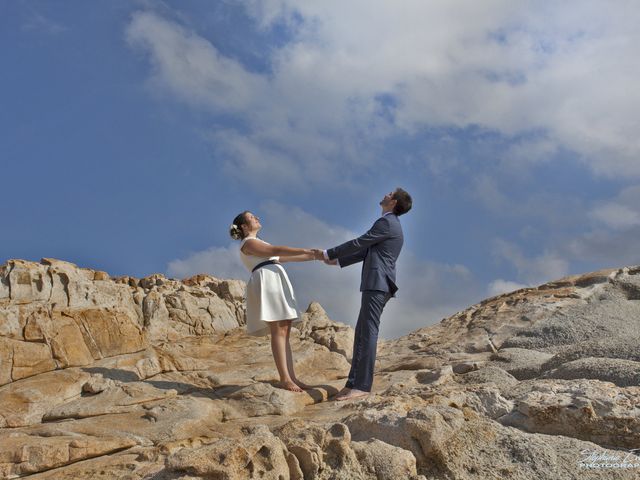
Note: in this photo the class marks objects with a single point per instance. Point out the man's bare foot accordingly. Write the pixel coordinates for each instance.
(351, 395)
(290, 385)
(344, 391)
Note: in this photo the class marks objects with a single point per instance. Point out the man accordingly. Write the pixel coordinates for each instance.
(378, 249)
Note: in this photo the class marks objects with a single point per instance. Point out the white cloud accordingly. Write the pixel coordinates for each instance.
(533, 270)
(607, 249)
(428, 291)
(605, 235)
(557, 76)
(566, 70)
(485, 189)
(613, 232)
(256, 161)
(295, 129)
(284, 224)
(500, 286)
(616, 216)
(37, 22)
(221, 262)
(622, 213)
(191, 68)
(550, 212)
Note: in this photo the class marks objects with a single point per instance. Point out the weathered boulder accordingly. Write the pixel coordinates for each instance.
(317, 326)
(591, 410)
(520, 362)
(258, 454)
(325, 453)
(22, 454)
(121, 398)
(612, 347)
(623, 373)
(495, 375)
(26, 401)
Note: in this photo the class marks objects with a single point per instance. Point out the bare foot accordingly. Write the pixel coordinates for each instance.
(290, 385)
(342, 392)
(352, 395)
(302, 385)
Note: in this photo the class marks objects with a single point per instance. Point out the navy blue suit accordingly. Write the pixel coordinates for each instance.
(378, 249)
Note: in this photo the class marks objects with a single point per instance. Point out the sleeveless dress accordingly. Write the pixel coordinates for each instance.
(269, 296)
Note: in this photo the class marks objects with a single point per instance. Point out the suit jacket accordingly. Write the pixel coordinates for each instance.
(378, 249)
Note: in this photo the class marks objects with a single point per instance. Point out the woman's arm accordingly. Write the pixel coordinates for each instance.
(305, 257)
(263, 249)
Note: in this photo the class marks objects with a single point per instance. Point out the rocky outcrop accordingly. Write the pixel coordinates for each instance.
(55, 315)
(131, 378)
(336, 336)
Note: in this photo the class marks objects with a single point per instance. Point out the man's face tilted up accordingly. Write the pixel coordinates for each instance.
(388, 202)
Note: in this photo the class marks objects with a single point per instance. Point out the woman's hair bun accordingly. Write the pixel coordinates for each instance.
(235, 229)
(235, 232)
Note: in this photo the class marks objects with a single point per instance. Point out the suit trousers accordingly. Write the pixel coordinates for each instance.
(366, 340)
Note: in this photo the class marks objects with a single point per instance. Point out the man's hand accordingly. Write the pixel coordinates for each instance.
(319, 255)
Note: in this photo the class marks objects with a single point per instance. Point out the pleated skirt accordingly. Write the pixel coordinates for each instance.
(269, 298)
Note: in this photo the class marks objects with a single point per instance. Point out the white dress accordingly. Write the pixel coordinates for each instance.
(269, 296)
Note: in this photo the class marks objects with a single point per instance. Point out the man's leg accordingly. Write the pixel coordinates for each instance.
(357, 341)
(373, 303)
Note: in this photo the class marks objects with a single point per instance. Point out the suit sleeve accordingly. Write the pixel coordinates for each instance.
(377, 233)
(353, 258)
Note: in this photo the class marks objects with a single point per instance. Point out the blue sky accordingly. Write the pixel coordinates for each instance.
(132, 132)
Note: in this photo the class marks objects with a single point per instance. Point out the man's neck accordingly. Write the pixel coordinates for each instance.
(384, 212)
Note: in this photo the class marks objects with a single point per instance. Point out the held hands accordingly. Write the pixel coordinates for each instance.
(313, 254)
(319, 255)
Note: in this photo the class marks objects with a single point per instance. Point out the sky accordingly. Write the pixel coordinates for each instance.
(133, 132)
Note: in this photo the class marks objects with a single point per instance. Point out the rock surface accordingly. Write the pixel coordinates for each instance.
(154, 378)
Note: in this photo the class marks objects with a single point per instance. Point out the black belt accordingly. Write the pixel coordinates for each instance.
(263, 264)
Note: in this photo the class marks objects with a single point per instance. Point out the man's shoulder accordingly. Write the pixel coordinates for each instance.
(382, 221)
(392, 219)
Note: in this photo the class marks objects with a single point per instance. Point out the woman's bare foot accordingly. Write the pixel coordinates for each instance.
(291, 386)
(351, 395)
(302, 385)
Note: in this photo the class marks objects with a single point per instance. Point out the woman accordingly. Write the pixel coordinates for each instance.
(271, 303)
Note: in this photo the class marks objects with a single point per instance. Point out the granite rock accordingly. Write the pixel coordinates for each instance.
(155, 378)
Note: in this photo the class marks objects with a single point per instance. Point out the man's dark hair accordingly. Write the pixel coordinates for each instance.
(403, 202)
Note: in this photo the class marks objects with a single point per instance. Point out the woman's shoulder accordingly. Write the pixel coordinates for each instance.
(246, 239)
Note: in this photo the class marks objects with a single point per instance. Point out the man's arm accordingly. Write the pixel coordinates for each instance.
(377, 233)
(353, 258)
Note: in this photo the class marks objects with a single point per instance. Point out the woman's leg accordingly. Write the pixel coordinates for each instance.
(279, 344)
(290, 358)
(288, 350)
